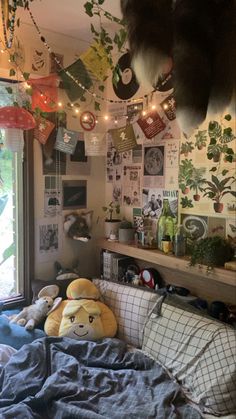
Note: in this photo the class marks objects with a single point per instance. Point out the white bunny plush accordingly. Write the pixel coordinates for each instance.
(32, 315)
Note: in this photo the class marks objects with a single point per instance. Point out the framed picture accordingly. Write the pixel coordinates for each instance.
(74, 194)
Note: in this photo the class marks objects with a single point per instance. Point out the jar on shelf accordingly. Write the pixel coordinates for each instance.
(166, 223)
(179, 242)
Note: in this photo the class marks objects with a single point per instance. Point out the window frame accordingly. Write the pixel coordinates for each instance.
(28, 223)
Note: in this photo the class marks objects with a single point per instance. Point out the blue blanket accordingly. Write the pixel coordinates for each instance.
(62, 378)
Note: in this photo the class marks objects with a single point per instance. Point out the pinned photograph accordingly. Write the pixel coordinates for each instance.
(74, 194)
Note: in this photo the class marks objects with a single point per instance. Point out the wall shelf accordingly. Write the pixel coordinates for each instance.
(216, 283)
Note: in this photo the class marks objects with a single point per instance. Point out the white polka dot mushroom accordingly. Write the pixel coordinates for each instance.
(15, 121)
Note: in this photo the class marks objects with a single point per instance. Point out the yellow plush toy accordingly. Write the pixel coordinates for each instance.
(82, 316)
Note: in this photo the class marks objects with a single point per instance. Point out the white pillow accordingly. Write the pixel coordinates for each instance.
(199, 352)
(130, 306)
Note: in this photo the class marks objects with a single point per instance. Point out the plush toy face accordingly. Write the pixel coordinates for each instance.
(82, 320)
(44, 303)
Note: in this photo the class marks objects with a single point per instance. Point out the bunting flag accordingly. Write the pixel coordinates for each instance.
(151, 124)
(45, 93)
(95, 59)
(43, 129)
(79, 72)
(123, 138)
(66, 140)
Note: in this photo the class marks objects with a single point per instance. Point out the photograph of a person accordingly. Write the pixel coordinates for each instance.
(152, 203)
(74, 194)
(48, 237)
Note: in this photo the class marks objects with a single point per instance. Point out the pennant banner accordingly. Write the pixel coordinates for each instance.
(43, 129)
(151, 124)
(79, 72)
(95, 59)
(123, 138)
(66, 140)
(45, 93)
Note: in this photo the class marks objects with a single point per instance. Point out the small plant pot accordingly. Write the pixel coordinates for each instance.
(216, 158)
(112, 227)
(218, 206)
(126, 235)
(196, 197)
(186, 191)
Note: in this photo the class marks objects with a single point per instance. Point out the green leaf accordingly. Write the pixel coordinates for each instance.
(93, 30)
(9, 90)
(12, 72)
(230, 151)
(100, 1)
(26, 75)
(8, 252)
(213, 169)
(18, 22)
(213, 141)
(97, 106)
(88, 9)
(228, 117)
(224, 172)
(101, 87)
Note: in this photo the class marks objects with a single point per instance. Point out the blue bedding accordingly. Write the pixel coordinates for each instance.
(64, 378)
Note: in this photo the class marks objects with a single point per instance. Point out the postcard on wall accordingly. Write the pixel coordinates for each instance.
(95, 144)
(134, 111)
(52, 202)
(113, 161)
(49, 239)
(131, 185)
(39, 61)
(74, 194)
(195, 226)
(231, 227)
(217, 226)
(153, 202)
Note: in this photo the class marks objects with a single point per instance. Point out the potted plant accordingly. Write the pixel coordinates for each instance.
(216, 189)
(187, 148)
(211, 251)
(201, 139)
(126, 231)
(111, 224)
(185, 173)
(196, 181)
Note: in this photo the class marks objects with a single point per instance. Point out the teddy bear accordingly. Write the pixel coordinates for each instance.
(34, 314)
(82, 315)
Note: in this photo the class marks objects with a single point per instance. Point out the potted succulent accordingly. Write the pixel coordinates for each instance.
(185, 173)
(111, 224)
(197, 181)
(187, 148)
(201, 139)
(211, 251)
(216, 189)
(126, 231)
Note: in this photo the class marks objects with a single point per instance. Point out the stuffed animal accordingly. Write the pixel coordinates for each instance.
(77, 226)
(34, 314)
(82, 316)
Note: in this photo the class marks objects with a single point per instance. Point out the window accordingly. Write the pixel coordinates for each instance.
(16, 213)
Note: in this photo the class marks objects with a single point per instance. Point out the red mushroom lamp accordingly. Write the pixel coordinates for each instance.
(15, 120)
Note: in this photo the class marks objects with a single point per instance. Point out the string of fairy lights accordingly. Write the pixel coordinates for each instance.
(94, 95)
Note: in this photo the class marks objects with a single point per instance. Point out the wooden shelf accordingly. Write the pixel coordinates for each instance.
(156, 257)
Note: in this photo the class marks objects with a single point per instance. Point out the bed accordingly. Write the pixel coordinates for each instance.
(153, 369)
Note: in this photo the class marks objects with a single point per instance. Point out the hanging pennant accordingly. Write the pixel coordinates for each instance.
(87, 121)
(95, 59)
(151, 124)
(123, 138)
(66, 140)
(45, 93)
(43, 129)
(169, 107)
(79, 72)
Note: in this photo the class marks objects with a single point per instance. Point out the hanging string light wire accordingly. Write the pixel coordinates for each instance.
(95, 95)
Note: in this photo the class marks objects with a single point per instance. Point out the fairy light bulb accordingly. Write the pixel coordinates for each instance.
(106, 117)
(77, 111)
(153, 107)
(2, 51)
(96, 121)
(116, 122)
(60, 104)
(144, 113)
(85, 118)
(135, 107)
(165, 106)
(72, 104)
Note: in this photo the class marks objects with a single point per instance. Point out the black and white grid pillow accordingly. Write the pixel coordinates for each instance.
(130, 306)
(199, 352)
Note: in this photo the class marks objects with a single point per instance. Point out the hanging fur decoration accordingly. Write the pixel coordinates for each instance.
(199, 38)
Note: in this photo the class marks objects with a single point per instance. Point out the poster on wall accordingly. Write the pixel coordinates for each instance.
(52, 196)
(113, 161)
(195, 226)
(74, 194)
(48, 236)
(131, 186)
(39, 61)
(153, 166)
(153, 202)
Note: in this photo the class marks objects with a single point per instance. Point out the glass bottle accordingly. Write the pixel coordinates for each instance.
(179, 242)
(166, 223)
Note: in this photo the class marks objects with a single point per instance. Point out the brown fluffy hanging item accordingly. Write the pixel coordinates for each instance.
(198, 37)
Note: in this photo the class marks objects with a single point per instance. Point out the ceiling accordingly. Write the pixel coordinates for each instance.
(66, 17)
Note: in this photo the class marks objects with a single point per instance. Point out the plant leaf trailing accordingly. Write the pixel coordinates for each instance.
(211, 251)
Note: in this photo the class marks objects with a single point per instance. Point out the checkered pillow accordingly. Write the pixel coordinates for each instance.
(199, 352)
(131, 307)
